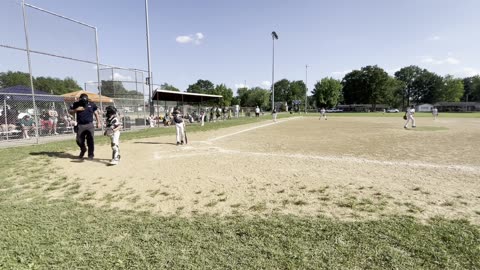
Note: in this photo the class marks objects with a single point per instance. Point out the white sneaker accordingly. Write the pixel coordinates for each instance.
(114, 162)
(55, 133)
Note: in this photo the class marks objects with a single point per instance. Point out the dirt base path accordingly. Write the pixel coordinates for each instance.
(345, 168)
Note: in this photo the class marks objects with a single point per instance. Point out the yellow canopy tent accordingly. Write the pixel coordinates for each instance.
(74, 96)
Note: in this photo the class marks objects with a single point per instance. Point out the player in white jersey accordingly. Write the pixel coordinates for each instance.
(179, 126)
(435, 113)
(410, 113)
(323, 113)
(113, 131)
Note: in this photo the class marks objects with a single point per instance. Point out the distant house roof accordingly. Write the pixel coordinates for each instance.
(360, 105)
(24, 93)
(166, 95)
(460, 104)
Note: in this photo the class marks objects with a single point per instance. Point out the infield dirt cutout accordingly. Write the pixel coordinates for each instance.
(347, 168)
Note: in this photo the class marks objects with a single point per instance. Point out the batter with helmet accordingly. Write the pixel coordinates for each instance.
(113, 131)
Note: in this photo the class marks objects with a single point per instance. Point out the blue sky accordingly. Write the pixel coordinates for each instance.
(229, 41)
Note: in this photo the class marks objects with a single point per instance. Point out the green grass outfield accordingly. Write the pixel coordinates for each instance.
(36, 233)
(399, 115)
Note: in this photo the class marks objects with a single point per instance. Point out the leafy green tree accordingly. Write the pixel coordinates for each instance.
(472, 88)
(169, 87)
(408, 75)
(254, 97)
(70, 85)
(298, 90)
(286, 91)
(369, 85)
(10, 78)
(235, 101)
(56, 86)
(377, 82)
(260, 97)
(201, 87)
(426, 88)
(115, 89)
(225, 92)
(452, 89)
(51, 85)
(353, 88)
(282, 91)
(327, 92)
(394, 94)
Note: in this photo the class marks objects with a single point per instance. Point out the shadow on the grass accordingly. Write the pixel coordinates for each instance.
(155, 143)
(54, 154)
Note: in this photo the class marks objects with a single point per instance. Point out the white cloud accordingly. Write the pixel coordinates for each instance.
(468, 72)
(449, 60)
(340, 73)
(184, 39)
(266, 84)
(196, 39)
(120, 77)
(240, 85)
(452, 61)
(392, 71)
(434, 38)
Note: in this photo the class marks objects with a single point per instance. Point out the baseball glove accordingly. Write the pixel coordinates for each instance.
(108, 132)
(404, 117)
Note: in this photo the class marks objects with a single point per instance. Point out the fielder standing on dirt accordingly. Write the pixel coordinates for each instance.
(410, 117)
(179, 126)
(323, 114)
(113, 131)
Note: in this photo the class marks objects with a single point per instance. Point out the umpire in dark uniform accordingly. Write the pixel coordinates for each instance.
(85, 111)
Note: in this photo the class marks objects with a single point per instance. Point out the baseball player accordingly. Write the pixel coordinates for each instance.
(179, 126)
(323, 113)
(410, 117)
(113, 131)
(435, 113)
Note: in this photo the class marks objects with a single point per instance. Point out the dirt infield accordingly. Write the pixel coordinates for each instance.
(346, 168)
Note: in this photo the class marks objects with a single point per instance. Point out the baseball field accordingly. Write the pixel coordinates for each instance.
(302, 193)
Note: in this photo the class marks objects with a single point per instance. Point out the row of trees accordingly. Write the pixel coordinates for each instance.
(373, 85)
(51, 85)
(207, 87)
(58, 86)
(368, 85)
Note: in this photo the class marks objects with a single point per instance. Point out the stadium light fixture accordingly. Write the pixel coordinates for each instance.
(149, 62)
(306, 86)
(274, 37)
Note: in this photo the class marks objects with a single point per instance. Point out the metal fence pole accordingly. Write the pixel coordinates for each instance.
(150, 79)
(30, 69)
(99, 84)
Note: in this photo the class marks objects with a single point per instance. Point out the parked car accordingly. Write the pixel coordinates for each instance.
(334, 110)
(393, 110)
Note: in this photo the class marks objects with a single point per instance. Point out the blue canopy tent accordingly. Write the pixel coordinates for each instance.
(24, 93)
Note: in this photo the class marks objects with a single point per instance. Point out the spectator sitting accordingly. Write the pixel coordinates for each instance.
(68, 120)
(166, 120)
(27, 125)
(8, 119)
(45, 122)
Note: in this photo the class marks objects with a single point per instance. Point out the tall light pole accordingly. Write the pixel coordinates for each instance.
(306, 86)
(274, 37)
(149, 80)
